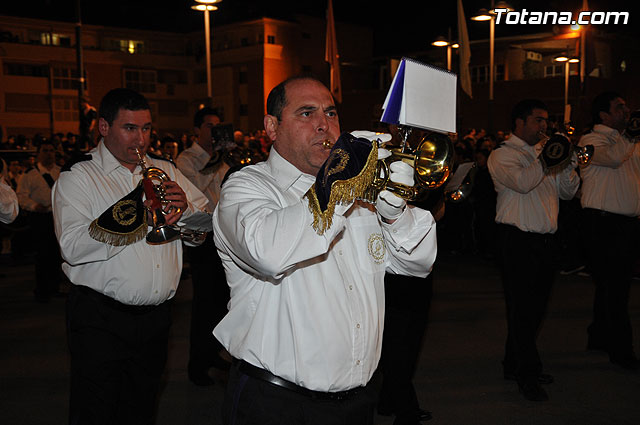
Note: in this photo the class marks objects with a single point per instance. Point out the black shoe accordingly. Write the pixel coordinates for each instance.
(424, 415)
(533, 391)
(543, 378)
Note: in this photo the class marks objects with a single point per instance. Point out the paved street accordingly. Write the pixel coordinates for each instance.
(459, 377)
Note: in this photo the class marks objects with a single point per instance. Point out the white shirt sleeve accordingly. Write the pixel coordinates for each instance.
(8, 203)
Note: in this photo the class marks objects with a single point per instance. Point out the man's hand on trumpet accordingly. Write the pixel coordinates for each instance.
(390, 206)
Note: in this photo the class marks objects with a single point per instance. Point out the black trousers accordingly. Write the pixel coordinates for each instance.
(612, 248)
(527, 277)
(250, 401)
(117, 359)
(209, 303)
(48, 260)
(407, 302)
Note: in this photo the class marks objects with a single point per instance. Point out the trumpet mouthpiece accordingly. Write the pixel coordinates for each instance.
(327, 144)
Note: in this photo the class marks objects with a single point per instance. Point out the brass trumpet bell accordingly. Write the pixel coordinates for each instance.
(584, 154)
(432, 162)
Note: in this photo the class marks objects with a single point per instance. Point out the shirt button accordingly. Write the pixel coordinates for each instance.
(395, 231)
(157, 266)
(357, 362)
(358, 326)
(340, 252)
(350, 287)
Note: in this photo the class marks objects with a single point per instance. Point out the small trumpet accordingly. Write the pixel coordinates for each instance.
(432, 162)
(584, 154)
(161, 232)
(632, 131)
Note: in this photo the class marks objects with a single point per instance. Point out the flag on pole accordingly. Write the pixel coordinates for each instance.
(465, 51)
(331, 55)
(583, 46)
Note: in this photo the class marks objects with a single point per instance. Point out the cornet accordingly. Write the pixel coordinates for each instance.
(558, 149)
(152, 181)
(432, 162)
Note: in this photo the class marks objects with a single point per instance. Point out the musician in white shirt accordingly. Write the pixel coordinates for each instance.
(611, 206)
(527, 215)
(118, 314)
(306, 310)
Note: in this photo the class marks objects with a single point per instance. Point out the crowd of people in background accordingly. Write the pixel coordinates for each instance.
(467, 227)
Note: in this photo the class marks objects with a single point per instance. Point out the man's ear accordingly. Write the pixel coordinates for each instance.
(603, 115)
(271, 126)
(103, 127)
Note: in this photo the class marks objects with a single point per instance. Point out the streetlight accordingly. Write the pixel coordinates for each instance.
(490, 15)
(206, 6)
(566, 60)
(442, 42)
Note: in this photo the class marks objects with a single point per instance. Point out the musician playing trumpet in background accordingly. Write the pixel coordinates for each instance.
(118, 310)
(526, 214)
(611, 206)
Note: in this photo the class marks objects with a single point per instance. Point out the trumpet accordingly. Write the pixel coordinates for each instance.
(431, 161)
(632, 131)
(152, 181)
(558, 149)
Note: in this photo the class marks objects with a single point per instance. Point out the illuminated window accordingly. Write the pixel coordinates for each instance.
(52, 39)
(271, 39)
(139, 80)
(132, 46)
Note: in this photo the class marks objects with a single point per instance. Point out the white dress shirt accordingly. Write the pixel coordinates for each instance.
(8, 203)
(309, 308)
(191, 161)
(33, 189)
(611, 182)
(527, 196)
(136, 274)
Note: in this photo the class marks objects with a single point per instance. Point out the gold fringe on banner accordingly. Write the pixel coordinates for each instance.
(342, 192)
(115, 238)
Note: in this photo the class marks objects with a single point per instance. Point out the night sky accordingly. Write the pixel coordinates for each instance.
(400, 26)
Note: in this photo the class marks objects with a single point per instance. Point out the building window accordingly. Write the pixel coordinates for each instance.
(553, 71)
(25, 69)
(139, 80)
(65, 109)
(65, 78)
(271, 39)
(480, 74)
(52, 39)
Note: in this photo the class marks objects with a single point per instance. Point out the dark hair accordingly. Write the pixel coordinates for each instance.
(121, 98)
(524, 108)
(602, 103)
(44, 141)
(277, 99)
(198, 118)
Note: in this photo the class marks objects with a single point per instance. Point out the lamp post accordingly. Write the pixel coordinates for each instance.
(206, 6)
(490, 15)
(566, 60)
(442, 42)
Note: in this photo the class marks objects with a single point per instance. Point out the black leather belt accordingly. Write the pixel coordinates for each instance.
(264, 375)
(603, 213)
(110, 302)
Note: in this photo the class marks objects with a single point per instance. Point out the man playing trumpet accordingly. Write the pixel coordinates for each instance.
(307, 302)
(527, 217)
(118, 310)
